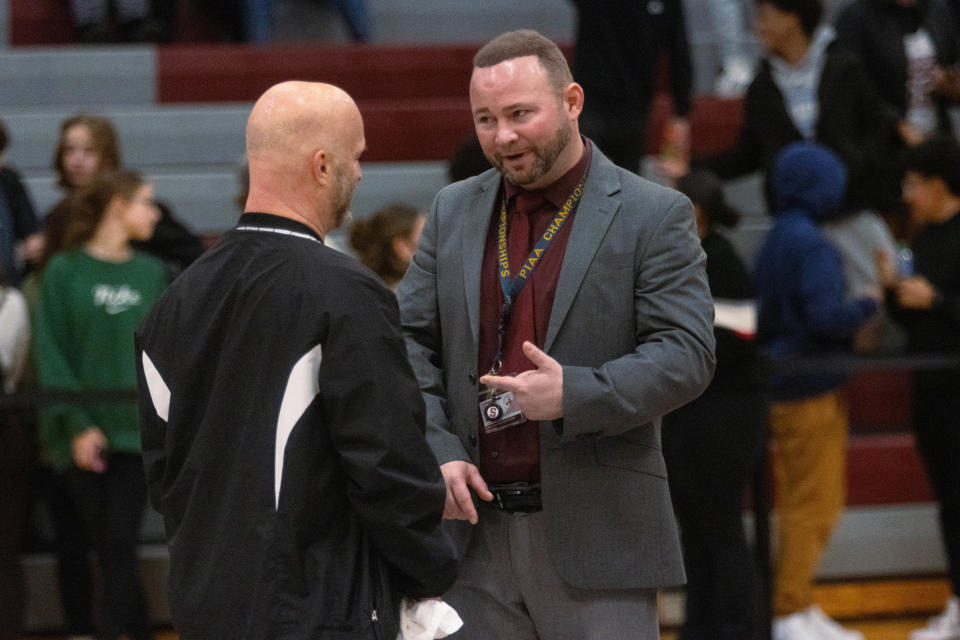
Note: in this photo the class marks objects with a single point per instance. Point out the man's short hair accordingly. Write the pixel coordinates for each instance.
(938, 157)
(527, 42)
(809, 11)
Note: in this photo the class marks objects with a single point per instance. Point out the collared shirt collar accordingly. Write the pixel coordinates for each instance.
(281, 223)
(558, 192)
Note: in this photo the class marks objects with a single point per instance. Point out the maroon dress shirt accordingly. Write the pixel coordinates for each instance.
(513, 454)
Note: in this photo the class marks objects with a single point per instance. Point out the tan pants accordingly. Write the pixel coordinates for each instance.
(810, 470)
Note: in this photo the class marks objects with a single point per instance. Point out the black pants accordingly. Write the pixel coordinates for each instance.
(936, 421)
(112, 507)
(72, 547)
(14, 472)
(711, 447)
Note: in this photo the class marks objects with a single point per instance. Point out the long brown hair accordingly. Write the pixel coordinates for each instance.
(75, 219)
(104, 139)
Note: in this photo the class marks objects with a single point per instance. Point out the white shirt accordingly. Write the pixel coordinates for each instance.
(14, 336)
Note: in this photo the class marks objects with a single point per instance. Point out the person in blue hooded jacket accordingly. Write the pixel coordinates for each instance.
(803, 310)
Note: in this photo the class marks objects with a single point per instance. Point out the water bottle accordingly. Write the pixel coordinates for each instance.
(905, 262)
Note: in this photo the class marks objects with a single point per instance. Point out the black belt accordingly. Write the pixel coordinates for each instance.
(517, 497)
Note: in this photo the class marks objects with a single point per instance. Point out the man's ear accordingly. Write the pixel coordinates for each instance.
(573, 100)
(322, 167)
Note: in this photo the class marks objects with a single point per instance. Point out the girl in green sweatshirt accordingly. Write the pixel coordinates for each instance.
(93, 296)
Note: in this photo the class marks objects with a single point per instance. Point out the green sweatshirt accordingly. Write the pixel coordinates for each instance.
(83, 339)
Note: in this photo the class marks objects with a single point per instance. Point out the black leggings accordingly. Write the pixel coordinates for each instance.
(112, 506)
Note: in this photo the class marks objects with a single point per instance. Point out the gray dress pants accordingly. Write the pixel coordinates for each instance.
(509, 590)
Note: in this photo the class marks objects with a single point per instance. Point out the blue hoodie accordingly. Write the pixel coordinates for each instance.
(803, 310)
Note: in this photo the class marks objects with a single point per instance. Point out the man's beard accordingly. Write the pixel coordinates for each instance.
(342, 195)
(544, 158)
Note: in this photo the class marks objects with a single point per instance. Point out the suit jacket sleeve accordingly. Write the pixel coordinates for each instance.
(673, 359)
(421, 324)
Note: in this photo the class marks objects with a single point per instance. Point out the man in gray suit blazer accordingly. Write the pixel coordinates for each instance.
(579, 289)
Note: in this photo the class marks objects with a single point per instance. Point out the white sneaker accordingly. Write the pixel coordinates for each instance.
(796, 626)
(827, 628)
(945, 626)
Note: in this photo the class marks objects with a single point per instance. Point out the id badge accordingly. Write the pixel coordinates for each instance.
(499, 412)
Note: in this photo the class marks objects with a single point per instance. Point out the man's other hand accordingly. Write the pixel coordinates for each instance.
(461, 477)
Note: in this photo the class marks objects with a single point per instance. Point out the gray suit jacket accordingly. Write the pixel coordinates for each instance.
(631, 325)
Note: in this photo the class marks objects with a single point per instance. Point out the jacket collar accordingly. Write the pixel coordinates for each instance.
(269, 221)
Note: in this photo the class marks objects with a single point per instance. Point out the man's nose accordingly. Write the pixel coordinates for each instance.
(505, 135)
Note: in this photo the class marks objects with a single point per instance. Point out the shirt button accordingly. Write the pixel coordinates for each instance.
(473, 440)
(494, 454)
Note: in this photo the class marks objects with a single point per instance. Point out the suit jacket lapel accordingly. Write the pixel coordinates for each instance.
(594, 215)
(475, 227)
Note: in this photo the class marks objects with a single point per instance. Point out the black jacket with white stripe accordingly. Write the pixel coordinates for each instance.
(283, 443)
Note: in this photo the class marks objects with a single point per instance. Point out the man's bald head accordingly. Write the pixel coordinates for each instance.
(299, 134)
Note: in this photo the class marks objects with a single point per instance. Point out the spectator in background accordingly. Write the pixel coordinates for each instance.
(737, 59)
(133, 21)
(909, 49)
(712, 446)
(618, 46)
(93, 296)
(387, 240)
(14, 459)
(20, 237)
(927, 302)
(88, 147)
(808, 89)
(467, 160)
(804, 311)
(257, 18)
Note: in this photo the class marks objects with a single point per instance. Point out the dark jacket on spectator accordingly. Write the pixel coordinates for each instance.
(738, 366)
(23, 220)
(936, 250)
(874, 31)
(172, 242)
(851, 123)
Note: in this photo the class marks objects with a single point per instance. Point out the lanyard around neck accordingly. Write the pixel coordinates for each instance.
(512, 287)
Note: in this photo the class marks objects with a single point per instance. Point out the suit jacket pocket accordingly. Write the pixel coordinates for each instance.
(621, 453)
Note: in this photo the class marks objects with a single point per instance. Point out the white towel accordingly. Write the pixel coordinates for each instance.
(427, 619)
